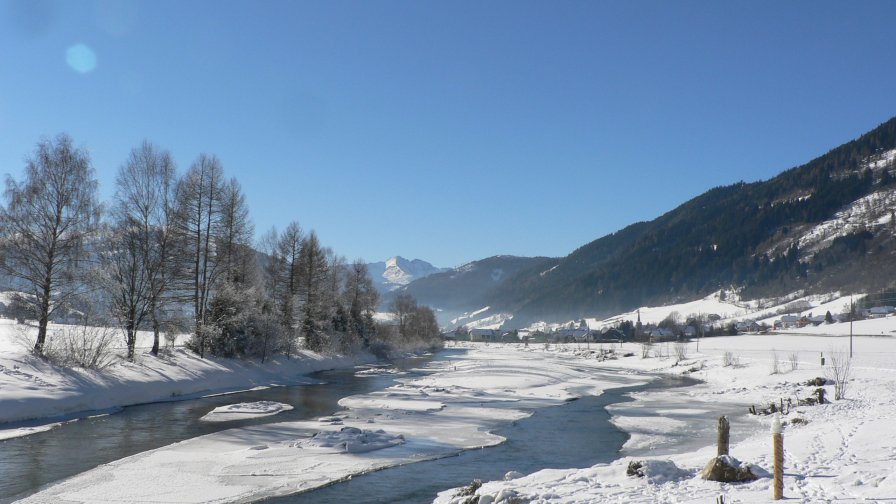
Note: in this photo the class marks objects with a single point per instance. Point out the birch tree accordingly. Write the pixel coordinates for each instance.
(137, 257)
(47, 219)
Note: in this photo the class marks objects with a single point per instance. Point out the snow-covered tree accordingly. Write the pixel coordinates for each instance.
(137, 254)
(198, 224)
(47, 218)
(313, 274)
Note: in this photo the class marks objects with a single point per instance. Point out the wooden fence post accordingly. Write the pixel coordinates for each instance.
(778, 442)
(724, 435)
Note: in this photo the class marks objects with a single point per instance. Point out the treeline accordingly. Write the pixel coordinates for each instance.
(174, 253)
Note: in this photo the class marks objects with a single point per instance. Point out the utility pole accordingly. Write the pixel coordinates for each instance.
(852, 314)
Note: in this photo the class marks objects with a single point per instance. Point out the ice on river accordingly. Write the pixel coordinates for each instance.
(349, 440)
(456, 407)
(242, 411)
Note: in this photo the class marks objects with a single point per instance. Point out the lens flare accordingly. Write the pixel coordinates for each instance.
(81, 58)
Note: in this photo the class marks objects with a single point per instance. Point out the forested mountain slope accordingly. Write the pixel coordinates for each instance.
(824, 225)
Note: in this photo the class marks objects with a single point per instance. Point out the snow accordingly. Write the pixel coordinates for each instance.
(32, 388)
(469, 315)
(839, 453)
(349, 440)
(455, 408)
(868, 212)
(242, 411)
(491, 322)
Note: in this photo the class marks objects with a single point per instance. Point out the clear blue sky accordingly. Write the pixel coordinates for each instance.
(451, 131)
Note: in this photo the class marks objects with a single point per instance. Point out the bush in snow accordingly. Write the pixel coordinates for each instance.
(82, 345)
(645, 348)
(794, 359)
(776, 364)
(681, 351)
(839, 371)
(730, 360)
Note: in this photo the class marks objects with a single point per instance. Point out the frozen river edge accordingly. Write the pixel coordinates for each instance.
(459, 404)
(454, 408)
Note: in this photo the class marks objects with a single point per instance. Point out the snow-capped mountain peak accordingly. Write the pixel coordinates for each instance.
(397, 272)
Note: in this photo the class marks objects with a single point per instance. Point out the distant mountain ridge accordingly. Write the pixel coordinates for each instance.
(397, 272)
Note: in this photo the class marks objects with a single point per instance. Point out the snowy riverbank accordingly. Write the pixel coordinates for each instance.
(33, 389)
(842, 453)
(455, 407)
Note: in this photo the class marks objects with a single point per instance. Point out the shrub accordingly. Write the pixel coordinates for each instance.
(681, 351)
(839, 371)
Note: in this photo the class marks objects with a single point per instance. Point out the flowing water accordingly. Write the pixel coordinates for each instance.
(29, 463)
(576, 434)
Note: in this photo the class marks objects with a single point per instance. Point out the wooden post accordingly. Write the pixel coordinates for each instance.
(724, 431)
(778, 442)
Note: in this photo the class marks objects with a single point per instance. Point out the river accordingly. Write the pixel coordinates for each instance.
(576, 434)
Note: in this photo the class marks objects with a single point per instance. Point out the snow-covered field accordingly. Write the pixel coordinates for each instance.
(841, 453)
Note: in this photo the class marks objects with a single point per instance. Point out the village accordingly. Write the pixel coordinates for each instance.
(669, 329)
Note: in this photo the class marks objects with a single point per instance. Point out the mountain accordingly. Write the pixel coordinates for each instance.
(469, 287)
(826, 225)
(397, 272)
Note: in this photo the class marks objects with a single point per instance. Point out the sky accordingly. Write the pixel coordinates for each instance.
(450, 131)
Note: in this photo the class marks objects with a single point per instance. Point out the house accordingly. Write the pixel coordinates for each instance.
(689, 332)
(487, 335)
(614, 335)
(880, 311)
(787, 322)
(572, 335)
(662, 334)
(746, 326)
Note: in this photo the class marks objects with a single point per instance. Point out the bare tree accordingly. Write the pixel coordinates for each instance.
(403, 307)
(48, 216)
(289, 246)
(199, 195)
(237, 256)
(137, 257)
(839, 371)
(361, 298)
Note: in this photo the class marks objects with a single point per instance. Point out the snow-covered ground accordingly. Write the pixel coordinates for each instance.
(452, 409)
(31, 388)
(242, 411)
(843, 452)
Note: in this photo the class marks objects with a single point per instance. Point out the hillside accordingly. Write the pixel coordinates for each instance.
(822, 226)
